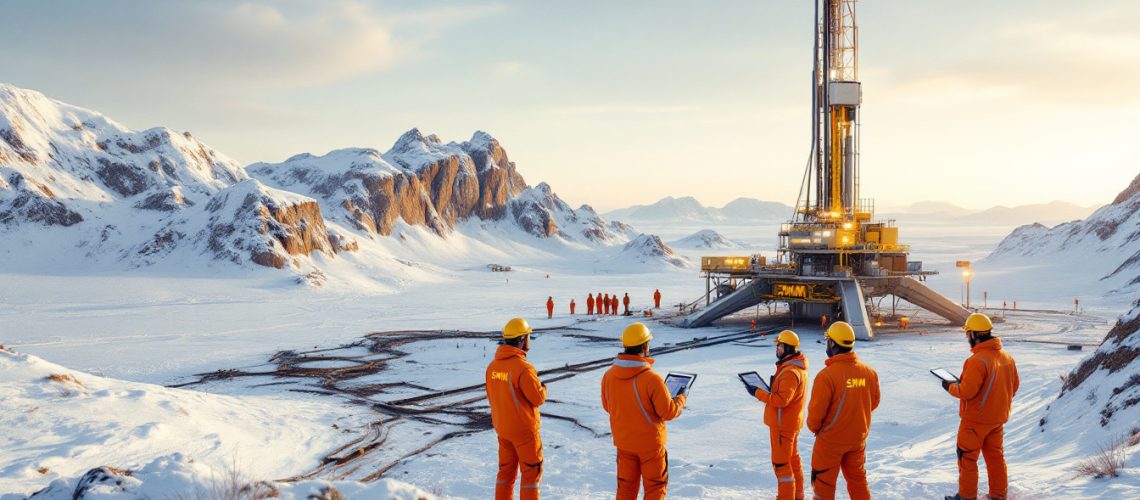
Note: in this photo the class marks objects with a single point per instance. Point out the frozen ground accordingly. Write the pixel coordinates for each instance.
(164, 329)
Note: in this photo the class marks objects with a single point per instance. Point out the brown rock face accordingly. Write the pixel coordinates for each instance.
(420, 180)
(1128, 192)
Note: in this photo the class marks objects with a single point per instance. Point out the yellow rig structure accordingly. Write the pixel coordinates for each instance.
(833, 255)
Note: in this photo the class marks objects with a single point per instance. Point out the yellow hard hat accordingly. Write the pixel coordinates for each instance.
(841, 333)
(635, 334)
(516, 328)
(789, 337)
(978, 322)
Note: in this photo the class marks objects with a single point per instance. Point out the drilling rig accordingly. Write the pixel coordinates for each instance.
(833, 254)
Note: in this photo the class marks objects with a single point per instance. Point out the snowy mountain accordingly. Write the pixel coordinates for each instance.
(690, 210)
(707, 239)
(1107, 242)
(423, 181)
(649, 250)
(85, 191)
(1108, 383)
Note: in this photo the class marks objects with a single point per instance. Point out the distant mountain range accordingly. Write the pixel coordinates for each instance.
(689, 209)
(77, 188)
(744, 210)
(936, 211)
(1108, 240)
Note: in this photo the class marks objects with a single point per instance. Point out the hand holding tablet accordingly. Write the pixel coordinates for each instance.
(679, 382)
(945, 375)
(755, 380)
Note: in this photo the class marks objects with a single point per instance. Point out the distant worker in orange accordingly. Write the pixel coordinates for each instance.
(784, 414)
(823, 321)
(988, 383)
(590, 304)
(606, 304)
(639, 404)
(572, 307)
(625, 302)
(657, 299)
(614, 304)
(549, 307)
(515, 393)
(843, 396)
(754, 325)
(598, 303)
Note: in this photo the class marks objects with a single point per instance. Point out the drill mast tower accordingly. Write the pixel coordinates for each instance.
(832, 255)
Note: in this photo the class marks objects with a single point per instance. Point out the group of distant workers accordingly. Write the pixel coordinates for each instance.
(843, 396)
(606, 304)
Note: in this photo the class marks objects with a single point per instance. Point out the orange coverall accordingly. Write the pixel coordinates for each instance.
(639, 404)
(625, 302)
(606, 304)
(657, 299)
(614, 304)
(598, 303)
(784, 415)
(515, 393)
(549, 308)
(989, 382)
(590, 304)
(843, 396)
(572, 307)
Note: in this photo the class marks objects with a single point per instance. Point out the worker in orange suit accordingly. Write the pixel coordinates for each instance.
(625, 302)
(657, 299)
(784, 414)
(549, 307)
(988, 383)
(572, 307)
(639, 404)
(598, 303)
(590, 304)
(515, 393)
(844, 394)
(754, 324)
(823, 321)
(605, 304)
(614, 304)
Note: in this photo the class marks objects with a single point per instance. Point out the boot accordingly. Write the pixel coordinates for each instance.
(958, 497)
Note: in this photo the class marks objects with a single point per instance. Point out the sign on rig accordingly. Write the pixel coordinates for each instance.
(808, 292)
(962, 263)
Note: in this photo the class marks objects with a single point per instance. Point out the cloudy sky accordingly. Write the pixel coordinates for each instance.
(974, 102)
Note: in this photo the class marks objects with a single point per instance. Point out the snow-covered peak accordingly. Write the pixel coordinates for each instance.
(706, 239)
(648, 249)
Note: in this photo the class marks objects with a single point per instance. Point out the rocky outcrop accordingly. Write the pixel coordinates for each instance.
(419, 180)
(250, 222)
(422, 181)
(706, 239)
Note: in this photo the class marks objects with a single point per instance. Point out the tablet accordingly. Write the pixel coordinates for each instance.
(754, 379)
(944, 374)
(674, 381)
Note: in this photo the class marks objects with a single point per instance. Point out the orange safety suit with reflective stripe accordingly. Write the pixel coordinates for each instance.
(784, 415)
(843, 396)
(515, 393)
(639, 404)
(988, 383)
(590, 304)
